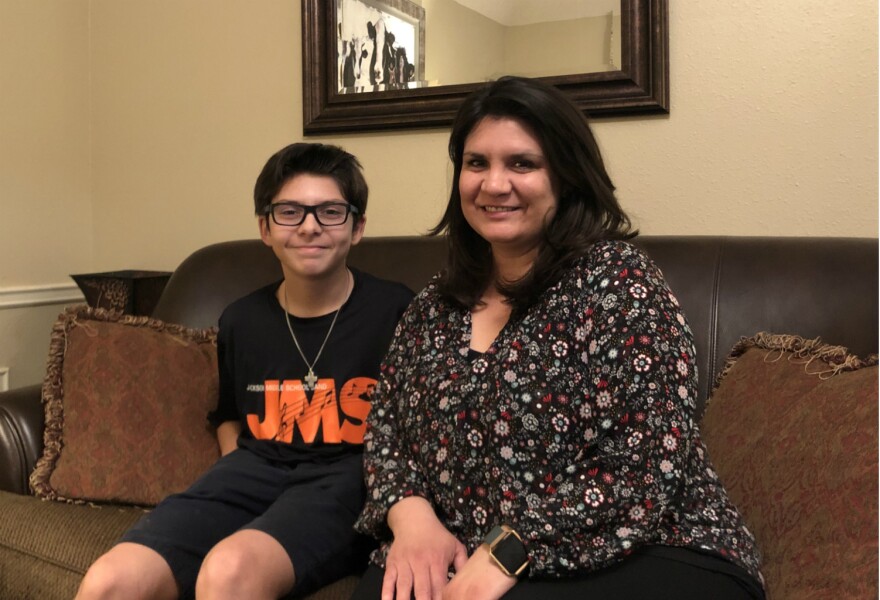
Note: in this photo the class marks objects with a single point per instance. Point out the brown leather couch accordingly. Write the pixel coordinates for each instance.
(729, 287)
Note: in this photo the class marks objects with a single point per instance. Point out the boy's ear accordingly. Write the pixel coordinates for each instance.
(357, 231)
(263, 223)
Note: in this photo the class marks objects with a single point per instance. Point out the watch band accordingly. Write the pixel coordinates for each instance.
(507, 550)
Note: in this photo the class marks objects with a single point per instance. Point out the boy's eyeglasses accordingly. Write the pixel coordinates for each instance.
(291, 214)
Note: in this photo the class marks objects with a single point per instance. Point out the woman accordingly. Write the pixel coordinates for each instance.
(533, 432)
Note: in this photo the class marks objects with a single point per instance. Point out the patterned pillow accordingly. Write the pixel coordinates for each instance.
(126, 400)
(791, 427)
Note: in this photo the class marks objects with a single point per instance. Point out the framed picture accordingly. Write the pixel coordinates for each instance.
(380, 45)
(639, 85)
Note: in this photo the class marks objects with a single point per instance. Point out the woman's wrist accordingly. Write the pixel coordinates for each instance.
(507, 550)
(410, 511)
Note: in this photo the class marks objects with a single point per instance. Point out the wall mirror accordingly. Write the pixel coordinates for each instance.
(371, 65)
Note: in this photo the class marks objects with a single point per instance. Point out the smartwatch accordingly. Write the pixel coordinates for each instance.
(507, 550)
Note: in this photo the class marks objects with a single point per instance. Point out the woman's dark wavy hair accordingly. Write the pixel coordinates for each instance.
(587, 208)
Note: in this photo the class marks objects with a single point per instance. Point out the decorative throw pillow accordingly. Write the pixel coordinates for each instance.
(126, 400)
(791, 428)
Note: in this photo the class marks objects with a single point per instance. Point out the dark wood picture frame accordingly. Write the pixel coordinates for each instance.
(641, 86)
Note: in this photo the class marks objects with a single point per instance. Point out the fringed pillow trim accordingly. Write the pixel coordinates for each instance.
(53, 386)
(833, 359)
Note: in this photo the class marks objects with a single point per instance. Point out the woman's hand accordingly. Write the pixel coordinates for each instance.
(421, 553)
(479, 579)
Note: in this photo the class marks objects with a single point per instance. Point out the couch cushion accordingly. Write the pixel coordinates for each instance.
(791, 427)
(126, 400)
(46, 547)
(48, 560)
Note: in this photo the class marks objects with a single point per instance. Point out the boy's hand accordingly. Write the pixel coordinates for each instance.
(227, 436)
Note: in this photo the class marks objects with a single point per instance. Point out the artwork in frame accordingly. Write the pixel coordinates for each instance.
(381, 45)
(640, 86)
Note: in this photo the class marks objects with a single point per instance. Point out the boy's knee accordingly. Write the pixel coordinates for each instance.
(128, 572)
(103, 581)
(224, 564)
(241, 567)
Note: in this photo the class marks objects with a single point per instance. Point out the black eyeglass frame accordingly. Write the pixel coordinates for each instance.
(311, 210)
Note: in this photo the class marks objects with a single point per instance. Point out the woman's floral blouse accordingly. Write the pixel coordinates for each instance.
(576, 427)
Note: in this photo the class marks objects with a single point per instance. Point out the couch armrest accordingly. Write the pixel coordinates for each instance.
(21, 437)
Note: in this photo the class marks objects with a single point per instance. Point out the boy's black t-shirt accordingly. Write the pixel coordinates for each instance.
(262, 373)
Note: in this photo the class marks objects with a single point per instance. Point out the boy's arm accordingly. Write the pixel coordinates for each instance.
(227, 436)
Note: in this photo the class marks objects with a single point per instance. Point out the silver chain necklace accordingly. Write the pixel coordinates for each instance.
(311, 379)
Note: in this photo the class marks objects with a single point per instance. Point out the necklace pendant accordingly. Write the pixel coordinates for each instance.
(311, 380)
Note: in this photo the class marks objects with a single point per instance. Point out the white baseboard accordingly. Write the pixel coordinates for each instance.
(40, 295)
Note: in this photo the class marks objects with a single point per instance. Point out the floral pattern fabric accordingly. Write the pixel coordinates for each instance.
(576, 427)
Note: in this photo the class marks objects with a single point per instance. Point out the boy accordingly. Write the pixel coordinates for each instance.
(298, 363)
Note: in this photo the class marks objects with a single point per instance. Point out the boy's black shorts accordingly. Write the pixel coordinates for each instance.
(310, 508)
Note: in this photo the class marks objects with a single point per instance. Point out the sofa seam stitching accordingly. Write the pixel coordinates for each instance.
(15, 434)
(713, 321)
(42, 558)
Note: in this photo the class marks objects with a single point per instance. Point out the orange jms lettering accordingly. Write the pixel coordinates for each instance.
(286, 407)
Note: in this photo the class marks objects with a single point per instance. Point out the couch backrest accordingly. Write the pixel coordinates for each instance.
(212, 277)
(730, 287)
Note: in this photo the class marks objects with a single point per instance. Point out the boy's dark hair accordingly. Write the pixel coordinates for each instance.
(587, 208)
(312, 159)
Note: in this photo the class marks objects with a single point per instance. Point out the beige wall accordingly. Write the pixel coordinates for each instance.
(464, 46)
(45, 196)
(131, 132)
(563, 47)
(478, 48)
